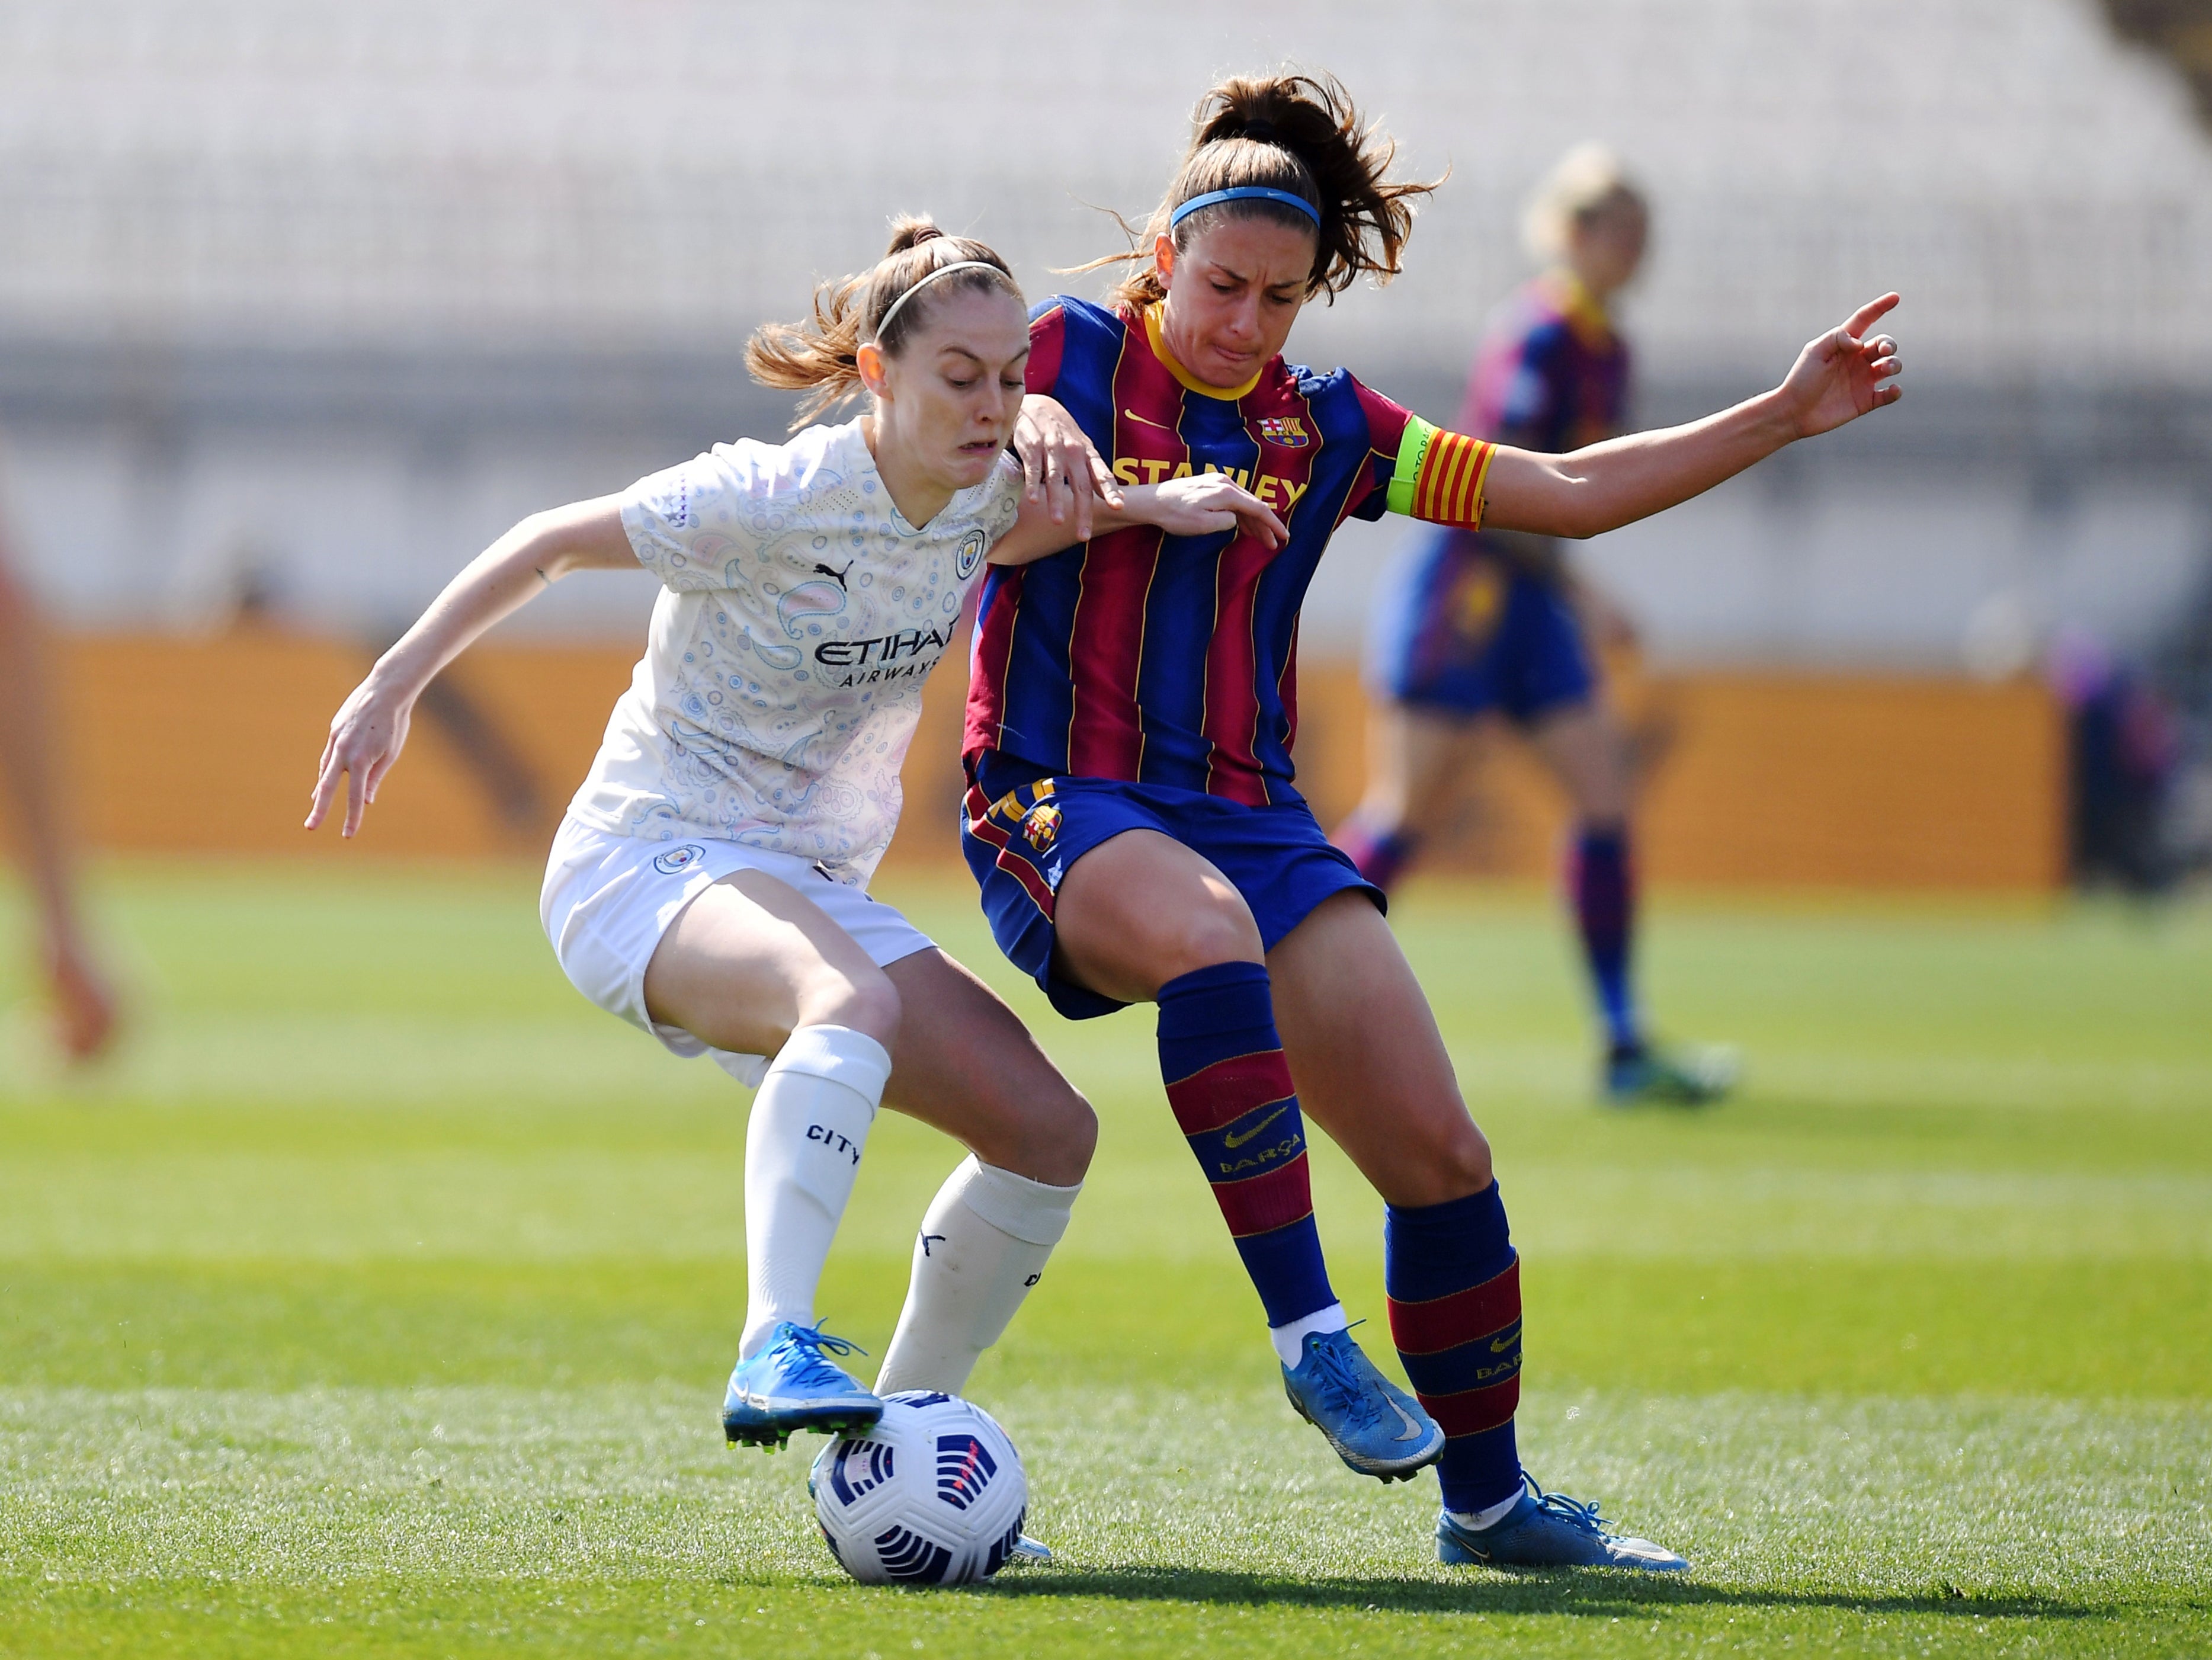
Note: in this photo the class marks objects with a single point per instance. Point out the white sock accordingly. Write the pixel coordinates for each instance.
(983, 1245)
(1486, 1519)
(810, 1120)
(1290, 1340)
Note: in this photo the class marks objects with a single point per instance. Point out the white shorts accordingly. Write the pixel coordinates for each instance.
(608, 898)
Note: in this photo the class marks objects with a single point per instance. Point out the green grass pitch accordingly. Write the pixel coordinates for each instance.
(378, 1301)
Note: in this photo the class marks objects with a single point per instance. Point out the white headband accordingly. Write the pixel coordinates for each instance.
(883, 325)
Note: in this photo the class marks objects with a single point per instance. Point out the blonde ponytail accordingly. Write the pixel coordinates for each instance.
(1587, 181)
(821, 355)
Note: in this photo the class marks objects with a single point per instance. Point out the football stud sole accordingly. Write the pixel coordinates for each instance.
(1396, 1473)
(770, 1437)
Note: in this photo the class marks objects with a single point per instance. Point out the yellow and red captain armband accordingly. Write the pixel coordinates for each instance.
(1438, 476)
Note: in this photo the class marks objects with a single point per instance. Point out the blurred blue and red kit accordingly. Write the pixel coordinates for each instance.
(1143, 680)
(1469, 620)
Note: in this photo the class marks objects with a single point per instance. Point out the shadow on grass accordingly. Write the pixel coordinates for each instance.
(1595, 1592)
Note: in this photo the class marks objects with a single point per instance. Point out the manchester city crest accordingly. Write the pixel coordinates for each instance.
(970, 554)
(677, 860)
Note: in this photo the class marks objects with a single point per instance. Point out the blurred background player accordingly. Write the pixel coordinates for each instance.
(83, 1001)
(1469, 623)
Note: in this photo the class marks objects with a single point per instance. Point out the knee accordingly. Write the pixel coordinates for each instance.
(1203, 935)
(1049, 1139)
(1468, 1162)
(1604, 794)
(1060, 1148)
(1453, 1165)
(866, 1003)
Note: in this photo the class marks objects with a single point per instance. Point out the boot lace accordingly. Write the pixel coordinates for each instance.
(1344, 1383)
(1582, 1517)
(809, 1371)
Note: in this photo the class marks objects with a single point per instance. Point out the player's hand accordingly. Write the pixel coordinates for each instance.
(367, 734)
(85, 1011)
(1059, 466)
(1843, 374)
(1205, 504)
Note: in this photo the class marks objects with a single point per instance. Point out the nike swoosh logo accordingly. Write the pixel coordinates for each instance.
(1148, 420)
(1412, 1430)
(1500, 1345)
(1235, 1141)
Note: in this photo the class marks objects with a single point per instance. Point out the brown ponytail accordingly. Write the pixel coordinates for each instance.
(821, 355)
(1289, 132)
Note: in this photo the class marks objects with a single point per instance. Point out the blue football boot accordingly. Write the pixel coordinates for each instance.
(1694, 1077)
(1028, 1552)
(788, 1386)
(1376, 1427)
(1549, 1530)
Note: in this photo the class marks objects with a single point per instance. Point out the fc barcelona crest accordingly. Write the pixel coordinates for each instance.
(1041, 825)
(1288, 430)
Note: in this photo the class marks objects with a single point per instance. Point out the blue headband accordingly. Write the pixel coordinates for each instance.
(1244, 193)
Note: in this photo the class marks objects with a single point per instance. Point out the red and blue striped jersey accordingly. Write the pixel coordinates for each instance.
(1552, 374)
(1171, 660)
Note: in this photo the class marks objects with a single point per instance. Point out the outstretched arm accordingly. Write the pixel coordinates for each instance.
(1205, 504)
(1842, 375)
(370, 727)
(86, 1006)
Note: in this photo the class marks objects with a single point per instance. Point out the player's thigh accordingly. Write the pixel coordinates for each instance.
(964, 1063)
(751, 958)
(1367, 1057)
(1438, 750)
(1387, 763)
(1140, 910)
(1587, 750)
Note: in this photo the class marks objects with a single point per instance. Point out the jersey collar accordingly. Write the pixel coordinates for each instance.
(1226, 394)
(861, 459)
(1584, 311)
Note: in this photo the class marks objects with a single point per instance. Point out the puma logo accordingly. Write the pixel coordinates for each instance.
(1233, 1141)
(837, 576)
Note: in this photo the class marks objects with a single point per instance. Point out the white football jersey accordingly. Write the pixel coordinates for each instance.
(782, 677)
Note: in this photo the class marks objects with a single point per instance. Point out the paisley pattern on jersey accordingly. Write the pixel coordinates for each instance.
(782, 678)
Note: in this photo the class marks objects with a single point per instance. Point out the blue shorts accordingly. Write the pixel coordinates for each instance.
(1021, 840)
(1460, 629)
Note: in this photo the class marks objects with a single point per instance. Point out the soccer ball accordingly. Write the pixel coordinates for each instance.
(932, 1495)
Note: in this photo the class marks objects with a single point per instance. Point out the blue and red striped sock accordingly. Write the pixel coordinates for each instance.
(1454, 1284)
(1230, 1089)
(1604, 884)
